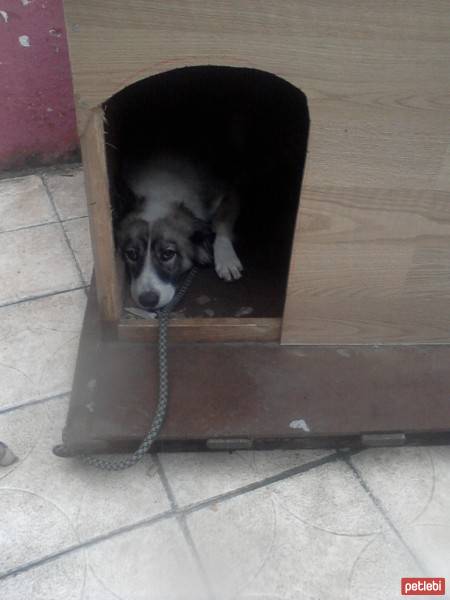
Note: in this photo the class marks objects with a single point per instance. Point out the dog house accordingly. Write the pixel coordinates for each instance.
(345, 336)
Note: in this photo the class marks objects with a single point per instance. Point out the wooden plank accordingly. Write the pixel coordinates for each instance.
(348, 48)
(377, 143)
(203, 330)
(370, 266)
(99, 208)
(442, 181)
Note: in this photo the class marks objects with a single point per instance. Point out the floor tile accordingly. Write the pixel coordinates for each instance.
(69, 577)
(38, 345)
(413, 487)
(51, 503)
(34, 262)
(197, 476)
(400, 478)
(436, 500)
(94, 589)
(330, 498)
(67, 190)
(24, 202)
(429, 535)
(431, 545)
(61, 579)
(32, 527)
(379, 568)
(150, 563)
(297, 538)
(78, 233)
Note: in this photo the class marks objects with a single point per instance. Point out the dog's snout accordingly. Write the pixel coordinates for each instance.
(149, 299)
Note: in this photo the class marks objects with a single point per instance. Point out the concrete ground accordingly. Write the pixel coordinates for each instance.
(309, 525)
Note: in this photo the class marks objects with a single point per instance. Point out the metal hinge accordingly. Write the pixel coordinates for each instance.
(229, 444)
(372, 440)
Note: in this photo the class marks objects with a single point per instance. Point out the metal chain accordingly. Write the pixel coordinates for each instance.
(118, 464)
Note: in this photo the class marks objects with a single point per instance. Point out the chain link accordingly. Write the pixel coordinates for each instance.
(119, 464)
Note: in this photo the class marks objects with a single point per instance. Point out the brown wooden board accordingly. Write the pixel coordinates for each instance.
(99, 208)
(254, 395)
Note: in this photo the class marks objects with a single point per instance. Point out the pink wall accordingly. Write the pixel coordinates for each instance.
(37, 121)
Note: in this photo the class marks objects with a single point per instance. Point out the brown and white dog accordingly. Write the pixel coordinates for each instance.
(183, 217)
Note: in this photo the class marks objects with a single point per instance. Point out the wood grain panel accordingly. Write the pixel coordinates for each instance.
(376, 145)
(442, 181)
(371, 266)
(326, 48)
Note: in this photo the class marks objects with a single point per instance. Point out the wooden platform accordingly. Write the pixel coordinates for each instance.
(258, 395)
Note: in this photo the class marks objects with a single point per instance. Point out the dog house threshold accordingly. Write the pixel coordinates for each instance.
(212, 310)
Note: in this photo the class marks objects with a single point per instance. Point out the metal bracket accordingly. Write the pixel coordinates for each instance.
(229, 444)
(374, 440)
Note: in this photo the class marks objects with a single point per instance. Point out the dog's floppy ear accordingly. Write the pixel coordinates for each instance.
(131, 227)
(197, 231)
(202, 239)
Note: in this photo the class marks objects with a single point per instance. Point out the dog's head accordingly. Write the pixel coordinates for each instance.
(157, 254)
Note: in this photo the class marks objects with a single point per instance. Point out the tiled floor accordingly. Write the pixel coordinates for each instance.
(310, 525)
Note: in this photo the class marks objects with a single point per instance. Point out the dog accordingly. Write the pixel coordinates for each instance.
(183, 216)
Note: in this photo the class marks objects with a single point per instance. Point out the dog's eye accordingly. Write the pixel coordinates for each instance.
(168, 254)
(131, 254)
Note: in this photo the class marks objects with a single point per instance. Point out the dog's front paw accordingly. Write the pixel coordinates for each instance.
(230, 271)
(226, 262)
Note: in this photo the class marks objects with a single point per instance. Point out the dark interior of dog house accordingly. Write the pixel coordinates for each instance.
(248, 126)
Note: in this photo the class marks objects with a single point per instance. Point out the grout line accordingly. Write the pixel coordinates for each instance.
(36, 225)
(193, 548)
(41, 296)
(9, 409)
(65, 168)
(379, 506)
(70, 219)
(50, 196)
(251, 487)
(26, 227)
(183, 526)
(165, 482)
(83, 545)
(184, 511)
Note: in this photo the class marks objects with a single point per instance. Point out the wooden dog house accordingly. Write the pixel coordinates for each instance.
(359, 352)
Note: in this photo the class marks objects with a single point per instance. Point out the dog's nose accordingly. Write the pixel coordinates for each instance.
(149, 299)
